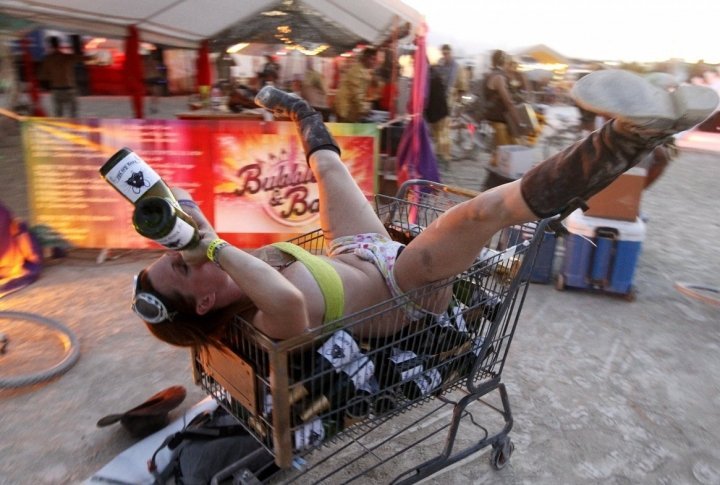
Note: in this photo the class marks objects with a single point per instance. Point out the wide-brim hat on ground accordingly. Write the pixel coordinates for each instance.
(149, 416)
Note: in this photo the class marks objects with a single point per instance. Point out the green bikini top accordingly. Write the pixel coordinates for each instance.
(327, 279)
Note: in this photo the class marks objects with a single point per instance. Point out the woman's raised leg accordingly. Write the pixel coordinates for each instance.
(344, 209)
(454, 240)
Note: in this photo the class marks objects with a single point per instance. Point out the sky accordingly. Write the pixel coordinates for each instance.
(623, 30)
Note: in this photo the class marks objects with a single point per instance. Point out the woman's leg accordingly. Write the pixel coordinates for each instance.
(344, 210)
(452, 242)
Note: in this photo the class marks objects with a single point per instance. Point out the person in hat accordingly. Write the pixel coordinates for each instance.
(187, 298)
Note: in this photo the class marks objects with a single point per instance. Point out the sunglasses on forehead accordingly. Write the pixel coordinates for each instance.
(148, 306)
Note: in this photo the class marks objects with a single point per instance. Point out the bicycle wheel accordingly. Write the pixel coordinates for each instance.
(462, 137)
(30, 348)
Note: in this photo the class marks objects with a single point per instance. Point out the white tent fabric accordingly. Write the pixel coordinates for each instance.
(184, 23)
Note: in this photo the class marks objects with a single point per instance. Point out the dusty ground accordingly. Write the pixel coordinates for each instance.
(603, 391)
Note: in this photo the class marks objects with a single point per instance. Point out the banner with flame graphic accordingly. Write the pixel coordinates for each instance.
(250, 178)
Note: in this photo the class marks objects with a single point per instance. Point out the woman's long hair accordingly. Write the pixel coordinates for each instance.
(187, 328)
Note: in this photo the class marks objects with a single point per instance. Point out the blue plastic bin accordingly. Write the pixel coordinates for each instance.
(542, 271)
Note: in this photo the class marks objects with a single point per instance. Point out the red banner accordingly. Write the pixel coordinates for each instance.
(250, 178)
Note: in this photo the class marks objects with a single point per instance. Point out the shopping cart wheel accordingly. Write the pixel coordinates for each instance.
(560, 282)
(500, 454)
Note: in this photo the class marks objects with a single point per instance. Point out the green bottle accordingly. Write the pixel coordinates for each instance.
(159, 219)
(133, 177)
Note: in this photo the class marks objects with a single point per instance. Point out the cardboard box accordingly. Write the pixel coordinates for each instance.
(621, 199)
(515, 160)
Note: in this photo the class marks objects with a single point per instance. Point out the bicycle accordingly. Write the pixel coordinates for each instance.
(470, 135)
(563, 132)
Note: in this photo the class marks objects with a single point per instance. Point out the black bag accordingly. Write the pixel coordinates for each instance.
(436, 108)
(210, 443)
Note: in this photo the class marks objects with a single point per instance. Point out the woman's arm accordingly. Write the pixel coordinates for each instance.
(282, 312)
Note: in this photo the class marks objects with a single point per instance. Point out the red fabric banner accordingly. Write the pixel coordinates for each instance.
(134, 70)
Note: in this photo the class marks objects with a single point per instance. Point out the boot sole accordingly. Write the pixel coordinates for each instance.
(694, 104)
(621, 94)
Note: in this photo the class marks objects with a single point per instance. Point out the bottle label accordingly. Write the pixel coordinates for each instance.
(360, 371)
(400, 356)
(454, 318)
(310, 434)
(428, 381)
(132, 177)
(340, 349)
(179, 236)
(477, 345)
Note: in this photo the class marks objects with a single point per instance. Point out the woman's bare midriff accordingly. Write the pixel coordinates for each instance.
(364, 287)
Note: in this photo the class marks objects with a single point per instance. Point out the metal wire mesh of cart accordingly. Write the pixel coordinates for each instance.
(345, 379)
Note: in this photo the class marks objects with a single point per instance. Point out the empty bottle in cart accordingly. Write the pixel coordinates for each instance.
(133, 178)
(157, 218)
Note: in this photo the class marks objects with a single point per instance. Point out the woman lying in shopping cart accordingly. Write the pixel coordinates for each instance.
(187, 298)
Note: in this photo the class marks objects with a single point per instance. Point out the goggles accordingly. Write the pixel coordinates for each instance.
(148, 306)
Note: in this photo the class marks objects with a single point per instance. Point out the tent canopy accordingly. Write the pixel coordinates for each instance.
(185, 23)
(543, 54)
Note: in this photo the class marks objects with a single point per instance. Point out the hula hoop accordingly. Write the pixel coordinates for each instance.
(703, 293)
(67, 338)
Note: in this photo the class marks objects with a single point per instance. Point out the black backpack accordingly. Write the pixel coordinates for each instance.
(209, 444)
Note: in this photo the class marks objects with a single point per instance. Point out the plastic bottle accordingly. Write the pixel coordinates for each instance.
(157, 218)
(133, 178)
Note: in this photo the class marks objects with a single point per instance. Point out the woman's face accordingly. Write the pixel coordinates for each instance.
(170, 274)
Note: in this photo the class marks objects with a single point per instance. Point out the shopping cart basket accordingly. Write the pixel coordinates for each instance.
(332, 390)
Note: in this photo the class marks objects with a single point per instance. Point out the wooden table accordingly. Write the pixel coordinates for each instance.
(208, 114)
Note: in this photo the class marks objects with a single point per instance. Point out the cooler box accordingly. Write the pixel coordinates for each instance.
(621, 199)
(542, 270)
(610, 265)
(515, 160)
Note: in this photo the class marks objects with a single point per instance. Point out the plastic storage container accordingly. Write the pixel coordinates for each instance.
(601, 254)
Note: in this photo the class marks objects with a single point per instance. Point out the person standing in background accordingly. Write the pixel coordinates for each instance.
(270, 73)
(58, 71)
(154, 79)
(351, 102)
(455, 85)
(314, 89)
(500, 110)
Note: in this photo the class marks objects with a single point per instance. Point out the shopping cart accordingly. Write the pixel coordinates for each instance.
(332, 407)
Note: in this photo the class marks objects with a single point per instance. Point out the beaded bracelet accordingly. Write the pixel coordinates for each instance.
(213, 250)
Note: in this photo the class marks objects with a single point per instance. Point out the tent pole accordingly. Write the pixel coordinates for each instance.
(394, 72)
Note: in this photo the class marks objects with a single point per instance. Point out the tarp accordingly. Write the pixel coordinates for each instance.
(415, 155)
(186, 23)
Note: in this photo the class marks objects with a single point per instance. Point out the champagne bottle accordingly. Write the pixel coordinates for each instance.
(341, 393)
(157, 218)
(133, 178)
(405, 370)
